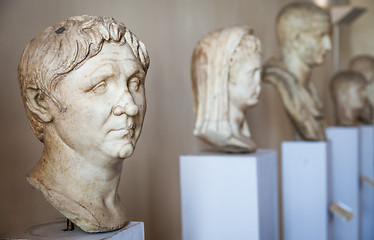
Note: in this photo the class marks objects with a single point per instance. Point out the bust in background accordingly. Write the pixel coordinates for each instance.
(364, 64)
(303, 31)
(82, 84)
(226, 82)
(352, 106)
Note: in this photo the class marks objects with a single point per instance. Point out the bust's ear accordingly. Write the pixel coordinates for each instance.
(36, 102)
(296, 39)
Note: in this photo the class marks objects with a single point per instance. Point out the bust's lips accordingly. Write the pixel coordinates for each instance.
(124, 132)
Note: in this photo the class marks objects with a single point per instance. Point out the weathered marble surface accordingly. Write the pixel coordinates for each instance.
(226, 81)
(352, 105)
(82, 84)
(303, 31)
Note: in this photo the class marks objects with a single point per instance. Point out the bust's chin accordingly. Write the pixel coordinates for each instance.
(126, 151)
(118, 149)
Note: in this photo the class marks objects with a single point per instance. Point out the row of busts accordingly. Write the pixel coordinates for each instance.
(352, 92)
(82, 84)
(226, 79)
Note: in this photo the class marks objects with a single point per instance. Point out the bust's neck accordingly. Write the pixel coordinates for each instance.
(70, 179)
(240, 139)
(296, 66)
(236, 119)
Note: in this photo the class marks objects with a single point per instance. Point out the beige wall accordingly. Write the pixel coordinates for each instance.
(170, 29)
(362, 32)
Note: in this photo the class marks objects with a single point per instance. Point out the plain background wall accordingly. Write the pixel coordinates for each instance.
(170, 29)
(362, 31)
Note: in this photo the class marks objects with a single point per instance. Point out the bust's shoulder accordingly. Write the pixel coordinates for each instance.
(274, 63)
(66, 205)
(274, 72)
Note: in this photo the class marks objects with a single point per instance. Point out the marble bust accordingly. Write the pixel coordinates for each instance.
(82, 84)
(364, 64)
(225, 72)
(352, 105)
(303, 31)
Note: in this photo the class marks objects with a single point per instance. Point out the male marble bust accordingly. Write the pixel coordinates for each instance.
(225, 72)
(352, 105)
(303, 31)
(364, 64)
(82, 84)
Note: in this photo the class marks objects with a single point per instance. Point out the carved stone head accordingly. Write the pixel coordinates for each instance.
(226, 81)
(303, 29)
(350, 96)
(363, 64)
(82, 83)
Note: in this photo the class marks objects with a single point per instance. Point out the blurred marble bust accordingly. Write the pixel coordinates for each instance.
(352, 105)
(364, 64)
(303, 31)
(82, 84)
(225, 75)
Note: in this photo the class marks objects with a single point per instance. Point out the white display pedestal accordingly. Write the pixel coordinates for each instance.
(305, 188)
(54, 230)
(345, 176)
(229, 196)
(367, 190)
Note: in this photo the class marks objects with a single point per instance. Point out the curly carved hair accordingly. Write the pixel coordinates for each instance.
(65, 46)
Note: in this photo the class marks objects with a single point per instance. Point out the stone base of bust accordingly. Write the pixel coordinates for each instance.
(221, 193)
(55, 230)
(84, 215)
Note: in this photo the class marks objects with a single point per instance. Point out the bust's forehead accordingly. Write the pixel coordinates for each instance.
(306, 23)
(111, 51)
(320, 25)
(112, 58)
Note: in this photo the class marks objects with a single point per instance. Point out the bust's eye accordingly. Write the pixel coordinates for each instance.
(99, 88)
(134, 83)
(323, 34)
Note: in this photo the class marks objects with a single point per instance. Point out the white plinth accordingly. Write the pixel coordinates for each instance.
(54, 230)
(229, 196)
(345, 176)
(305, 187)
(367, 191)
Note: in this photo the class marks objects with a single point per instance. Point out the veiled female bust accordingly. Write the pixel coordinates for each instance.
(226, 81)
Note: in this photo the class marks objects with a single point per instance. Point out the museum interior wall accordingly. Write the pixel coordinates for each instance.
(170, 29)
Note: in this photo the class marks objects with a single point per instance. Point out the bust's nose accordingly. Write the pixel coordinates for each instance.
(130, 109)
(327, 42)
